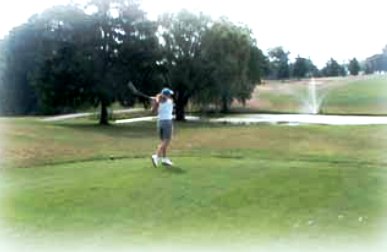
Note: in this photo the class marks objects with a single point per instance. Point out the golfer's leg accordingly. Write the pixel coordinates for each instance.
(160, 150)
(167, 137)
(165, 147)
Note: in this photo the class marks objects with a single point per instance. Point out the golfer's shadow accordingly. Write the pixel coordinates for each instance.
(174, 169)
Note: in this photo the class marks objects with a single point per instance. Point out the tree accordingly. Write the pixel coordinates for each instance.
(101, 53)
(354, 67)
(332, 68)
(235, 61)
(182, 36)
(300, 68)
(265, 66)
(2, 68)
(114, 23)
(23, 52)
(59, 77)
(279, 62)
(28, 47)
(312, 69)
(367, 68)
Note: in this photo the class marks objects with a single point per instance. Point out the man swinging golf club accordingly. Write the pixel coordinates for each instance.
(163, 105)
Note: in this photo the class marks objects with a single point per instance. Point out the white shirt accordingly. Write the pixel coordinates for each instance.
(165, 110)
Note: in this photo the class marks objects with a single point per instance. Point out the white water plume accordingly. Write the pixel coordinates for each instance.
(312, 102)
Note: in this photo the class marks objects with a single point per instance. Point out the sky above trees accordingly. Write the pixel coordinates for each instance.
(318, 29)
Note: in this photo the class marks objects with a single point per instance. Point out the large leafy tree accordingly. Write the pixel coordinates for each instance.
(182, 44)
(102, 52)
(121, 47)
(236, 63)
(60, 79)
(32, 45)
(21, 55)
(304, 67)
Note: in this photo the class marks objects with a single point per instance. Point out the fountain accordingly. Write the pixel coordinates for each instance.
(312, 103)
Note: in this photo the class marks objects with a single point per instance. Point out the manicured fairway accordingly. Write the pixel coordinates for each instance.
(230, 183)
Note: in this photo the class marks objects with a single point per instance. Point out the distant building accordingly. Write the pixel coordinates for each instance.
(377, 62)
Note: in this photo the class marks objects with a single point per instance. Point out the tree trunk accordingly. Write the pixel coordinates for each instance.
(224, 105)
(104, 118)
(181, 102)
(180, 113)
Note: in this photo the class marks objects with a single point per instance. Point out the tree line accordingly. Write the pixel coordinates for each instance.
(68, 58)
(65, 59)
(280, 67)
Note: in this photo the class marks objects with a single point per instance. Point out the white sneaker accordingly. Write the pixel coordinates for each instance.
(166, 161)
(155, 160)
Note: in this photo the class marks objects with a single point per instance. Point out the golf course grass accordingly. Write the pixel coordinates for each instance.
(346, 96)
(358, 97)
(229, 183)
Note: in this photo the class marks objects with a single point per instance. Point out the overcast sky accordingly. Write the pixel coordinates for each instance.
(318, 29)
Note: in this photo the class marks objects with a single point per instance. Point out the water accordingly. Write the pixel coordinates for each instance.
(288, 119)
(314, 108)
(312, 103)
(297, 119)
(313, 100)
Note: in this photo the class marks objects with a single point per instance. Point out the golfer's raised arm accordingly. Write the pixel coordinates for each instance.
(155, 104)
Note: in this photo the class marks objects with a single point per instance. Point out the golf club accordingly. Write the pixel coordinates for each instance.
(134, 90)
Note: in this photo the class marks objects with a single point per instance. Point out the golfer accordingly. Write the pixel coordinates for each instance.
(163, 105)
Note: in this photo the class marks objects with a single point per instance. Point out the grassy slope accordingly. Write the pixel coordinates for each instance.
(230, 183)
(358, 97)
(341, 96)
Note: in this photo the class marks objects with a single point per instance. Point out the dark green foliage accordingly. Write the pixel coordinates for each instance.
(303, 67)
(101, 54)
(20, 59)
(2, 69)
(279, 63)
(333, 68)
(300, 68)
(188, 71)
(64, 59)
(354, 67)
(236, 64)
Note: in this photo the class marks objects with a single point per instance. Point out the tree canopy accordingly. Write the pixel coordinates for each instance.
(303, 67)
(182, 45)
(100, 54)
(332, 68)
(279, 63)
(354, 67)
(235, 62)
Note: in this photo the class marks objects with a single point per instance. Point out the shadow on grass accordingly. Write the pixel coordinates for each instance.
(174, 169)
(135, 130)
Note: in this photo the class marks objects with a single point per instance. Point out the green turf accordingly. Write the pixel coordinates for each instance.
(358, 97)
(230, 183)
(223, 198)
(338, 96)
